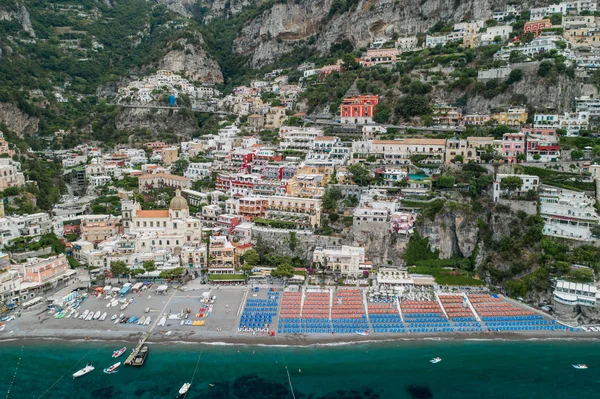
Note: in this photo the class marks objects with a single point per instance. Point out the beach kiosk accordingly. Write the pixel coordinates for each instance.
(137, 287)
(125, 290)
(162, 289)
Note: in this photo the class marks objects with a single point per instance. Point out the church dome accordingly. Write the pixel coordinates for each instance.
(178, 203)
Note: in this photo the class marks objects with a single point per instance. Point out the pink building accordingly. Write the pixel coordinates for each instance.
(513, 144)
(37, 270)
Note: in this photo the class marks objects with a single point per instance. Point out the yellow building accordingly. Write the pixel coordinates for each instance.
(169, 155)
(275, 117)
(512, 117)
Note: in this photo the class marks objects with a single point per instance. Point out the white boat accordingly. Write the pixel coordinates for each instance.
(84, 314)
(76, 315)
(84, 370)
(142, 321)
(114, 317)
(103, 317)
(113, 368)
(123, 307)
(363, 333)
(182, 322)
(436, 360)
(2, 326)
(108, 305)
(147, 310)
(580, 366)
(117, 321)
(186, 387)
(118, 353)
(162, 321)
(148, 320)
(97, 315)
(90, 316)
(114, 303)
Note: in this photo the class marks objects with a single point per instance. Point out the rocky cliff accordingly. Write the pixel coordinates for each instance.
(540, 94)
(16, 120)
(278, 29)
(157, 120)
(16, 11)
(192, 61)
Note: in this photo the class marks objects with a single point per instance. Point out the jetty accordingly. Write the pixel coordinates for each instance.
(136, 350)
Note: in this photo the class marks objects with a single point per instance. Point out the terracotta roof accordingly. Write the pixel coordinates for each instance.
(153, 214)
(325, 138)
(164, 176)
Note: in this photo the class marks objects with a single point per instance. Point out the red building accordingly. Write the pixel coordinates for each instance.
(358, 110)
(537, 26)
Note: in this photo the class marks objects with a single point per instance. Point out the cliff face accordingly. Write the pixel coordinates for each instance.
(540, 93)
(17, 12)
(16, 120)
(157, 120)
(283, 26)
(193, 62)
(453, 233)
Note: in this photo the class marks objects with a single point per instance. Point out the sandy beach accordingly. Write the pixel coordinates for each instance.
(221, 324)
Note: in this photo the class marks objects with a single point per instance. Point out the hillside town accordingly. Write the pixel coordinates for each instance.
(331, 197)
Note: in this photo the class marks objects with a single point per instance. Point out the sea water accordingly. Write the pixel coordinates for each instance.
(398, 369)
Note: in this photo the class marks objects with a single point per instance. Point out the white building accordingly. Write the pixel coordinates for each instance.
(538, 45)
(575, 294)
(572, 122)
(509, 13)
(491, 33)
(298, 138)
(529, 182)
(432, 41)
(408, 43)
(198, 170)
(568, 214)
(344, 260)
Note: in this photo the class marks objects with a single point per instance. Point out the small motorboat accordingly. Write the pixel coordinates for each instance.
(148, 320)
(146, 310)
(436, 360)
(84, 371)
(184, 389)
(103, 317)
(363, 333)
(580, 366)
(114, 317)
(97, 315)
(84, 315)
(118, 353)
(108, 305)
(112, 369)
(2, 326)
(76, 315)
(90, 316)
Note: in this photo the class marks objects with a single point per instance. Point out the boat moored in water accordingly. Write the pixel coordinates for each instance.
(580, 366)
(84, 371)
(112, 369)
(119, 352)
(184, 389)
(436, 360)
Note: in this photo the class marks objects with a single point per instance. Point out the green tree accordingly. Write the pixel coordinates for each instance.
(382, 113)
(418, 248)
(360, 174)
(283, 270)
(459, 158)
(149, 266)
(179, 166)
(511, 183)
(251, 257)
(545, 69)
(293, 241)
(577, 154)
(350, 62)
(516, 75)
(445, 182)
(118, 268)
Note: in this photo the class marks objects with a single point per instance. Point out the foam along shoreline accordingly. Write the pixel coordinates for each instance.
(188, 337)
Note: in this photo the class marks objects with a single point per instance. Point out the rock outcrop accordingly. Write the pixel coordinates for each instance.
(171, 121)
(16, 120)
(192, 62)
(278, 29)
(17, 12)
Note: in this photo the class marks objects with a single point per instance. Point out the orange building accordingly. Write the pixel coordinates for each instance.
(537, 26)
(358, 110)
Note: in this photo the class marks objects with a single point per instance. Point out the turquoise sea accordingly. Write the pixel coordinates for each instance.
(469, 369)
